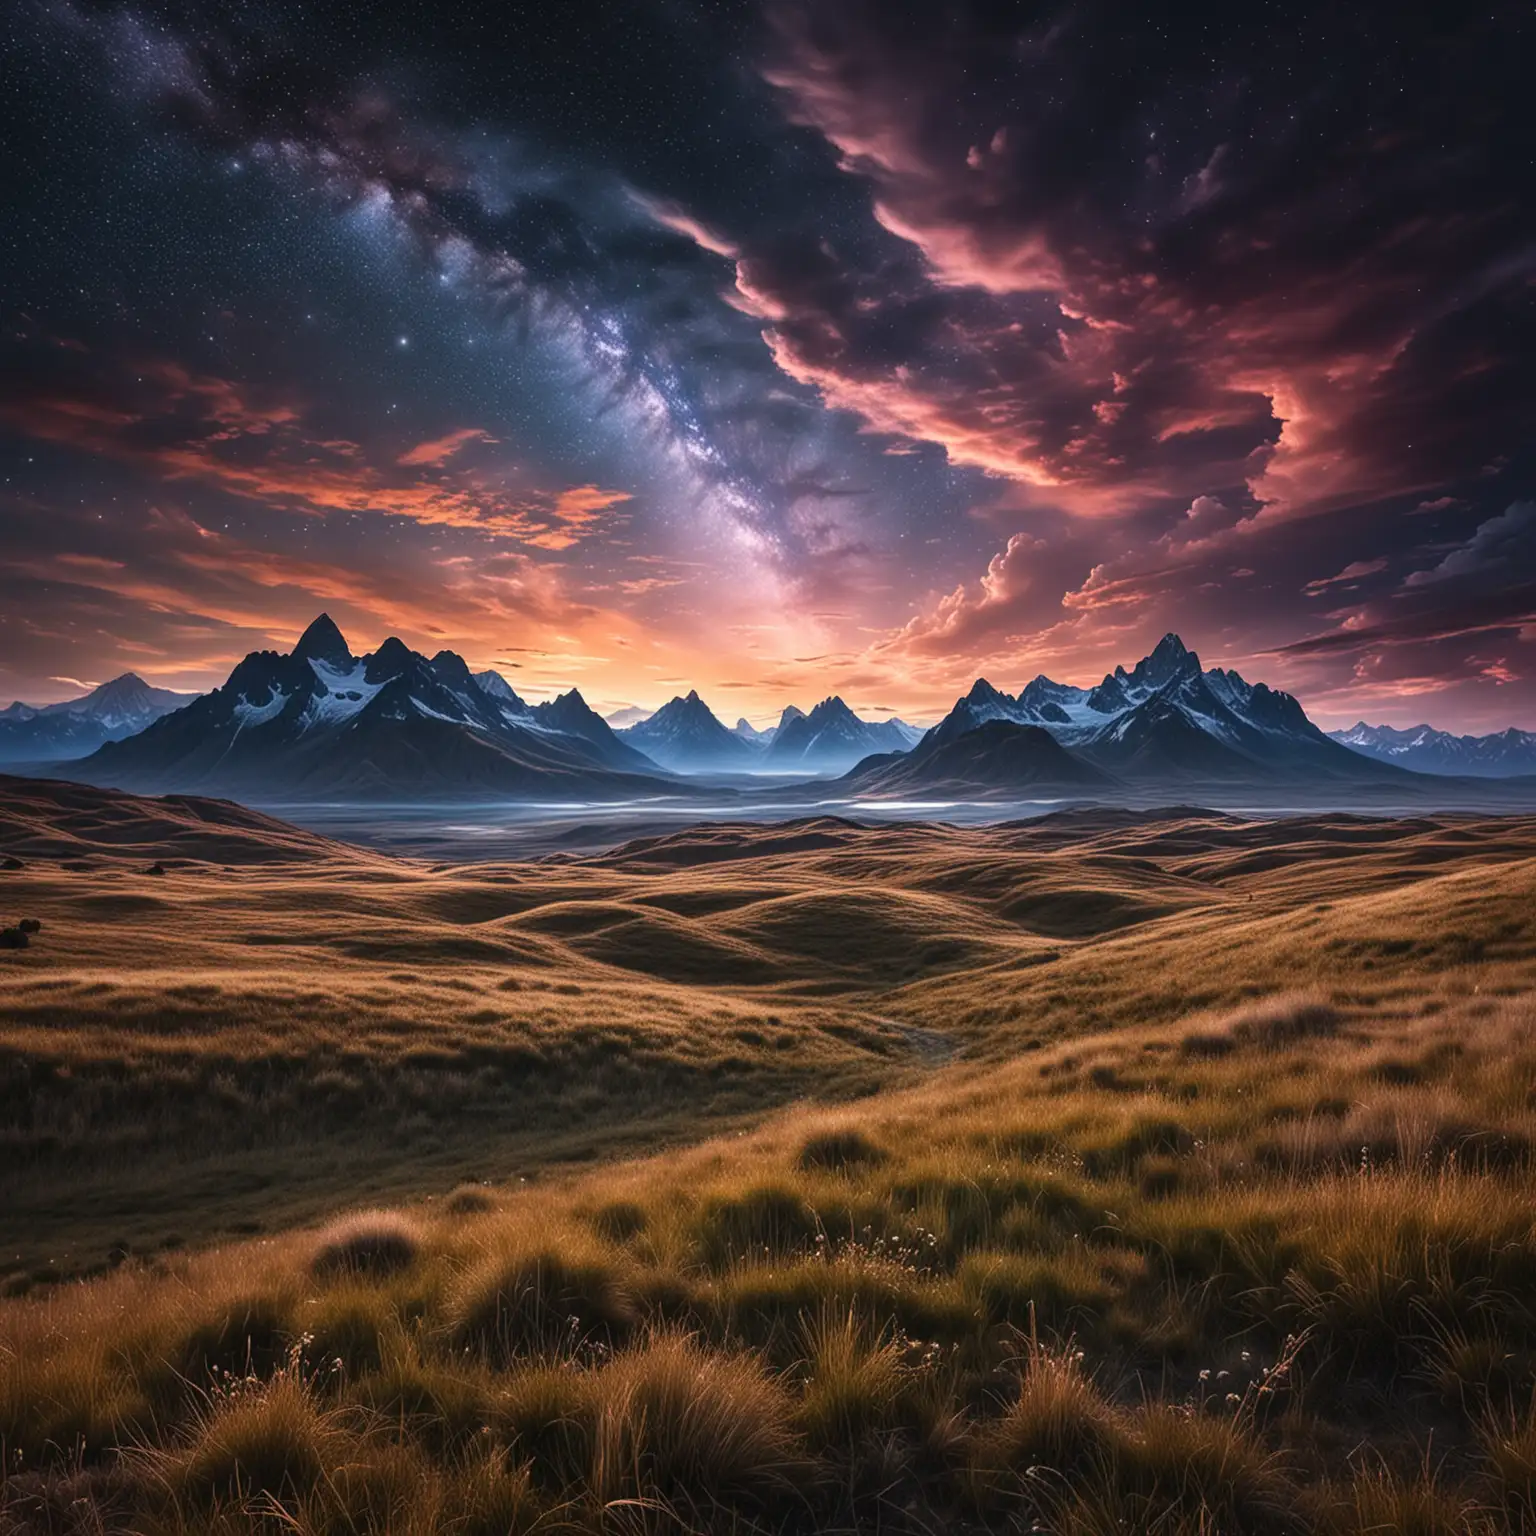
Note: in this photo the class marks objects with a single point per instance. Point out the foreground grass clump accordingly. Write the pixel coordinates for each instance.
(529, 1300)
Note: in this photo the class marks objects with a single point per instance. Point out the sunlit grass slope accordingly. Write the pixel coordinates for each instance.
(1268, 1269)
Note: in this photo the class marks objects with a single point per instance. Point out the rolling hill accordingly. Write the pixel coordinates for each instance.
(1104, 1171)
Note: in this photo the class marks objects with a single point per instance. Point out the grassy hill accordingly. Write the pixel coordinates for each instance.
(1163, 1173)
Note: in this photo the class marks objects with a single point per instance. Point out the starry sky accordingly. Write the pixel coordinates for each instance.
(774, 349)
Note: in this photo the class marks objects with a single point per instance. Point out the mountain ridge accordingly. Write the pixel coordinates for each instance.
(319, 722)
(1424, 749)
(74, 728)
(1166, 721)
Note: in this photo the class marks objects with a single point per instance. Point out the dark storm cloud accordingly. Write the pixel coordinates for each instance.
(1161, 248)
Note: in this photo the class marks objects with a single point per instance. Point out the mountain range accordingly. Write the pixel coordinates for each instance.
(321, 724)
(685, 735)
(832, 738)
(77, 727)
(1422, 748)
(1167, 722)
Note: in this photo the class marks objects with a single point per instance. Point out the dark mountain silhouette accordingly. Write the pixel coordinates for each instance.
(322, 641)
(571, 715)
(999, 756)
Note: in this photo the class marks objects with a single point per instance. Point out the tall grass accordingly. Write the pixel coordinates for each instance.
(996, 1320)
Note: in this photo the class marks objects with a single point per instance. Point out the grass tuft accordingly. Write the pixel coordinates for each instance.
(269, 1438)
(469, 1200)
(540, 1300)
(839, 1150)
(699, 1428)
(374, 1243)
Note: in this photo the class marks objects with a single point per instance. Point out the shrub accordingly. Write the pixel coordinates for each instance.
(30, 925)
(517, 1303)
(369, 1243)
(13, 938)
(839, 1150)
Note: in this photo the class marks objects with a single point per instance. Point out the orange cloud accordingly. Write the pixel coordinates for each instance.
(577, 514)
(204, 429)
(436, 453)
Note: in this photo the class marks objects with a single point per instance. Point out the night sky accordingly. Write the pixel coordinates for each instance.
(775, 350)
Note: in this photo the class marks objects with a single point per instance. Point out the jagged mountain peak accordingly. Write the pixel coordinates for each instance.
(392, 658)
(982, 692)
(493, 684)
(323, 641)
(396, 722)
(686, 735)
(1170, 658)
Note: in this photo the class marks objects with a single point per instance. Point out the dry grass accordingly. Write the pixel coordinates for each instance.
(367, 1243)
(1222, 1223)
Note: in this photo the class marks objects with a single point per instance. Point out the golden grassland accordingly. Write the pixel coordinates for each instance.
(1144, 1174)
